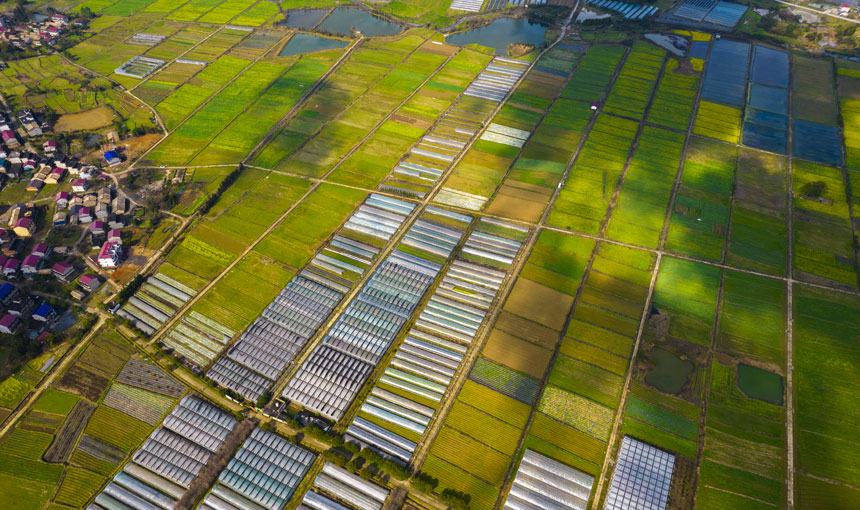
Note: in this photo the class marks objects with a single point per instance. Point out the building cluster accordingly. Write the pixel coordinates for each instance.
(45, 31)
(20, 308)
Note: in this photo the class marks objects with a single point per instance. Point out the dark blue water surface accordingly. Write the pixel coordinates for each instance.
(817, 142)
(343, 19)
(769, 67)
(502, 32)
(726, 74)
(307, 43)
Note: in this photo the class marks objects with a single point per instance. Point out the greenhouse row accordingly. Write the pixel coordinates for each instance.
(170, 459)
(432, 238)
(155, 302)
(428, 160)
(642, 477)
(264, 473)
(335, 489)
(361, 335)
(422, 368)
(506, 135)
(542, 483)
(499, 78)
(253, 364)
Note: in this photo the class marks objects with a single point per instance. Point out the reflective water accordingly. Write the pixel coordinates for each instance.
(307, 43)
(343, 19)
(502, 32)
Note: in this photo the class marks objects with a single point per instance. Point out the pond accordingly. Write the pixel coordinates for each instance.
(670, 373)
(502, 32)
(676, 44)
(760, 384)
(307, 43)
(303, 19)
(343, 19)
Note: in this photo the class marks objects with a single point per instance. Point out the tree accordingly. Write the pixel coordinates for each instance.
(424, 483)
(814, 189)
(456, 499)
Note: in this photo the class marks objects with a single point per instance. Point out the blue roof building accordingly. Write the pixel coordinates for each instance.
(112, 158)
(6, 290)
(44, 312)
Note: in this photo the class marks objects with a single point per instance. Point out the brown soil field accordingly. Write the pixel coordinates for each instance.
(94, 118)
(539, 302)
(81, 381)
(67, 436)
(524, 328)
(514, 207)
(516, 353)
(100, 361)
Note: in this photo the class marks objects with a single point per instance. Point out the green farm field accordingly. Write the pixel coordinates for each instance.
(607, 255)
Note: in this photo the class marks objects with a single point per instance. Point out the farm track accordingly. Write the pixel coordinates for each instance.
(59, 367)
(192, 48)
(422, 205)
(122, 88)
(420, 454)
(611, 443)
(201, 106)
(316, 184)
(289, 116)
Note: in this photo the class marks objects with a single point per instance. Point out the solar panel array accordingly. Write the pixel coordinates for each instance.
(252, 365)
(264, 473)
(542, 483)
(155, 302)
(170, 459)
(766, 115)
(337, 489)
(418, 172)
(642, 478)
(628, 11)
(424, 365)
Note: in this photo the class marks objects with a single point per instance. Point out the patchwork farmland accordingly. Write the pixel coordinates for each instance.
(418, 274)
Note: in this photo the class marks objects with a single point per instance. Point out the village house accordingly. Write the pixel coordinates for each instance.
(9, 324)
(49, 147)
(62, 271)
(110, 255)
(35, 185)
(115, 236)
(22, 305)
(44, 313)
(56, 176)
(41, 250)
(98, 227)
(62, 199)
(85, 215)
(7, 293)
(61, 218)
(112, 158)
(10, 268)
(80, 186)
(90, 282)
(25, 227)
(30, 265)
